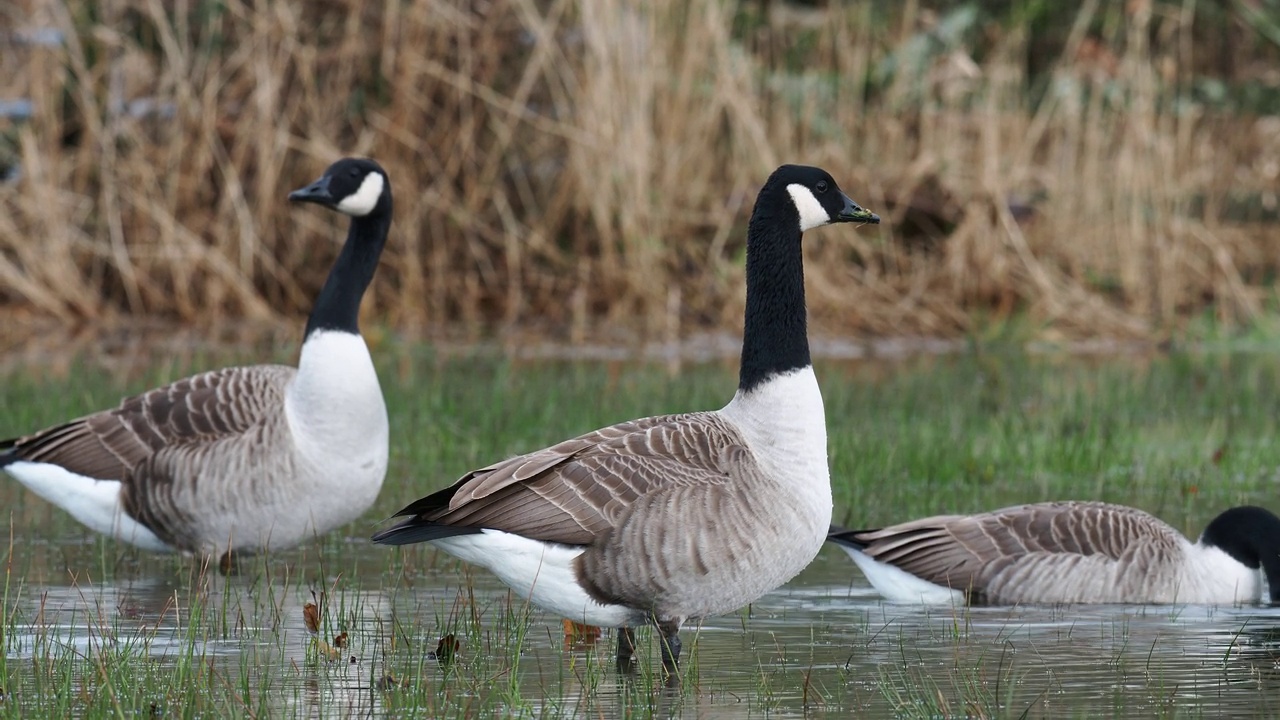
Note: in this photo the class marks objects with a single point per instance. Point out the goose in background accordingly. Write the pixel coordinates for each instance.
(670, 518)
(1069, 552)
(242, 459)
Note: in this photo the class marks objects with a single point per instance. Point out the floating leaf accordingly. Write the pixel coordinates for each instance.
(446, 650)
(580, 634)
(327, 651)
(311, 617)
(340, 641)
(388, 682)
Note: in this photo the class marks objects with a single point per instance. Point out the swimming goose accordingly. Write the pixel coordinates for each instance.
(241, 459)
(1069, 552)
(668, 518)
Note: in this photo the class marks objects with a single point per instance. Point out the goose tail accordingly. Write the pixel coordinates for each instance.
(438, 500)
(845, 537)
(8, 451)
(417, 530)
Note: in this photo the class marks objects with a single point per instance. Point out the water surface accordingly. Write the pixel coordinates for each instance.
(91, 627)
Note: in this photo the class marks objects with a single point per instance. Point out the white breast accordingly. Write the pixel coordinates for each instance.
(784, 423)
(1211, 576)
(338, 425)
(784, 426)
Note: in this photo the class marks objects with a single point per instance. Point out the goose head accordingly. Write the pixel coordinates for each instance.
(1250, 535)
(353, 186)
(815, 198)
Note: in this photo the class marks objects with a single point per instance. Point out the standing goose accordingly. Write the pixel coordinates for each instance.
(242, 459)
(668, 518)
(1069, 552)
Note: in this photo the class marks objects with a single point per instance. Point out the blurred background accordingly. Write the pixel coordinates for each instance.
(584, 169)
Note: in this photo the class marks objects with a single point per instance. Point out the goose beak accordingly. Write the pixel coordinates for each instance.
(316, 192)
(853, 212)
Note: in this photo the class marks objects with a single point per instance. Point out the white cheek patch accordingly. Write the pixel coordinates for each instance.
(363, 201)
(812, 214)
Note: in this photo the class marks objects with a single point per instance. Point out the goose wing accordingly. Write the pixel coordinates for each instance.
(574, 491)
(113, 444)
(1020, 549)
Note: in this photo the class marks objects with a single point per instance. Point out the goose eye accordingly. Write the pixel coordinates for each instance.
(355, 172)
(821, 187)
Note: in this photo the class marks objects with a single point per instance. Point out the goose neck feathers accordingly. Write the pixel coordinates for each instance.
(338, 305)
(795, 198)
(357, 187)
(775, 333)
(1251, 536)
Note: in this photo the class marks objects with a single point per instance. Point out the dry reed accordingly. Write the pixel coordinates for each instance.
(584, 165)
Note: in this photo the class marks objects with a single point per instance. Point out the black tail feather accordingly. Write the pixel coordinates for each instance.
(418, 531)
(437, 500)
(8, 451)
(847, 537)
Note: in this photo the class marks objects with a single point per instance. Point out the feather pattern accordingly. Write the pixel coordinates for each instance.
(573, 491)
(199, 462)
(111, 444)
(1059, 552)
(674, 511)
(676, 516)
(245, 458)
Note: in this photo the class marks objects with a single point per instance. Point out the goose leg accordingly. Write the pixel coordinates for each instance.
(229, 563)
(670, 630)
(626, 650)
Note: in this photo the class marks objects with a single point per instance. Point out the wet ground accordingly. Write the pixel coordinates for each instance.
(825, 645)
(85, 619)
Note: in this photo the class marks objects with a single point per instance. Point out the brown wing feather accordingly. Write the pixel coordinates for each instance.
(574, 491)
(680, 530)
(111, 444)
(167, 491)
(967, 552)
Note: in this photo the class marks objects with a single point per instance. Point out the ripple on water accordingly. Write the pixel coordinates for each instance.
(823, 646)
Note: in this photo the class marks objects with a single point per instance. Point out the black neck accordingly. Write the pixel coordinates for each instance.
(1251, 535)
(775, 337)
(1271, 568)
(338, 306)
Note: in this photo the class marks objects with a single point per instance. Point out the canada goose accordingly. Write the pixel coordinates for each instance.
(241, 459)
(1069, 552)
(674, 517)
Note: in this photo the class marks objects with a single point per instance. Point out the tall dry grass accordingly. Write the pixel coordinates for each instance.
(587, 166)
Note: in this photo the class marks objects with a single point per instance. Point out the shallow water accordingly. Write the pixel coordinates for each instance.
(823, 646)
(85, 618)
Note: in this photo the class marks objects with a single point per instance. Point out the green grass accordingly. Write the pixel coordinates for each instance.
(96, 630)
(1180, 436)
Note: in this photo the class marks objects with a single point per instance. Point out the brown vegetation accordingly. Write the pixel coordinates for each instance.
(582, 165)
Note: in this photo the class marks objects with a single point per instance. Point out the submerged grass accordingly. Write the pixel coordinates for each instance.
(92, 629)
